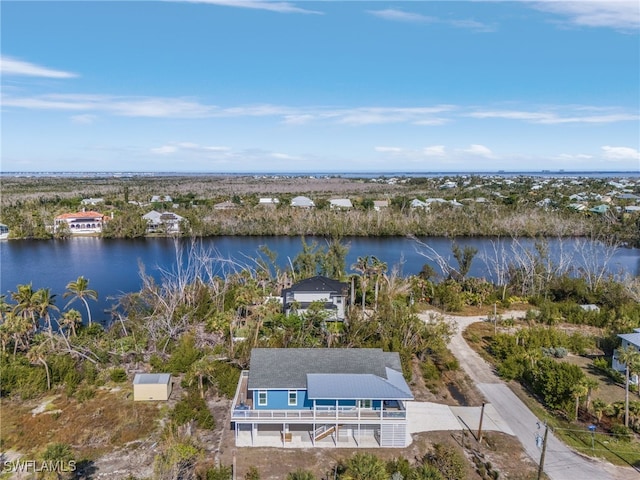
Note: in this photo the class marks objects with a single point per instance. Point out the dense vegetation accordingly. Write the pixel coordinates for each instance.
(475, 206)
(189, 323)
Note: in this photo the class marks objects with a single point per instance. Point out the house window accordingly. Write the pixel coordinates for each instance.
(293, 397)
(365, 403)
(262, 398)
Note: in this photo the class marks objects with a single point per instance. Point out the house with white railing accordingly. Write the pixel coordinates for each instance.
(321, 397)
(332, 294)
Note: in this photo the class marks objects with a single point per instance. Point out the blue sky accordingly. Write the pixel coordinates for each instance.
(274, 86)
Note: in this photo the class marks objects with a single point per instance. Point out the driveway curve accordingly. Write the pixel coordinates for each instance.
(561, 463)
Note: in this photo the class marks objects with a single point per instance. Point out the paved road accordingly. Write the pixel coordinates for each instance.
(561, 463)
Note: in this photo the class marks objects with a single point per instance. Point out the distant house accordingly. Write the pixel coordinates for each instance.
(416, 203)
(151, 386)
(632, 341)
(92, 201)
(331, 293)
(166, 222)
(340, 203)
(81, 222)
(4, 231)
(632, 209)
(302, 202)
(380, 204)
(628, 196)
(227, 205)
(600, 209)
(578, 207)
(161, 198)
(313, 397)
(271, 202)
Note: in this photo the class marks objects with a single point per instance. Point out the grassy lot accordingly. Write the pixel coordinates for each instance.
(575, 434)
(110, 419)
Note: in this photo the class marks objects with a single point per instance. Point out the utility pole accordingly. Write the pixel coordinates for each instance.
(544, 450)
(480, 425)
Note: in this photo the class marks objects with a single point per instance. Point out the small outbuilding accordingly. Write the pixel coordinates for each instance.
(151, 386)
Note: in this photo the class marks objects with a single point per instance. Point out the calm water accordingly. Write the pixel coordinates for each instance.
(112, 266)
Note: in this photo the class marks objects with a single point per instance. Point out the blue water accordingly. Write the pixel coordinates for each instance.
(112, 266)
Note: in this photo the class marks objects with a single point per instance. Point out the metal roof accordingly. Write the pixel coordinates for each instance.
(151, 378)
(352, 386)
(318, 283)
(632, 338)
(280, 368)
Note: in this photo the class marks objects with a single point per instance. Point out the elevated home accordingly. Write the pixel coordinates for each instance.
(315, 397)
(302, 202)
(340, 203)
(632, 341)
(332, 293)
(166, 222)
(81, 222)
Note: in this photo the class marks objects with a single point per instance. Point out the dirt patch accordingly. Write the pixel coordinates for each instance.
(499, 450)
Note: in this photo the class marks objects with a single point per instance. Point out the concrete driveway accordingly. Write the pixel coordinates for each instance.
(561, 462)
(431, 417)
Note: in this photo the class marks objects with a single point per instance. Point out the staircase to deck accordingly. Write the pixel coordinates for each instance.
(323, 432)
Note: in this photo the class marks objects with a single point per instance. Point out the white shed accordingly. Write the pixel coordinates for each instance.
(151, 386)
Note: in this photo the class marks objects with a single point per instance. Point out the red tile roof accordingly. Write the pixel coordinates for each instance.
(88, 215)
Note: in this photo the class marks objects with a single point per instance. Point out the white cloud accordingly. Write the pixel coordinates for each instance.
(190, 147)
(164, 150)
(570, 115)
(395, 15)
(12, 66)
(401, 16)
(620, 153)
(434, 151)
(479, 150)
(283, 156)
(620, 15)
(389, 149)
(85, 119)
(573, 156)
(278, 7)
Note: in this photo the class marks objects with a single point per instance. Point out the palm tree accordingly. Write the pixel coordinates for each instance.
(578, 391)
(24, 303)
(630, 358)
(44, 302)
(599, 406)
(378, 269)
(79, 289)
(365, 466)
(362, 266)
(70, 320)
(201, 369)
(38, 354)
(301, 475)
(591, 384)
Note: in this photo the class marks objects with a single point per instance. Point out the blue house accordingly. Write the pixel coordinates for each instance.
(303, 397)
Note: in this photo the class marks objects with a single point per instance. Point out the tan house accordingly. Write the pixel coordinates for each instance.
(151, 386)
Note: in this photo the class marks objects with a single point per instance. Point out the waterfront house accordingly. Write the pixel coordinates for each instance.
(315, 397)
(380, 204)
(271, 202)
(632, 341)
(81, 222)
(331, 293)
(92, 201)
(341, 203)
(302, 202)
(165, 222)
(151, 386)
(4, 231)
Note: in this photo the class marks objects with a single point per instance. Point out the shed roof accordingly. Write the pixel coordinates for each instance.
(151, 378)
(273, 368)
